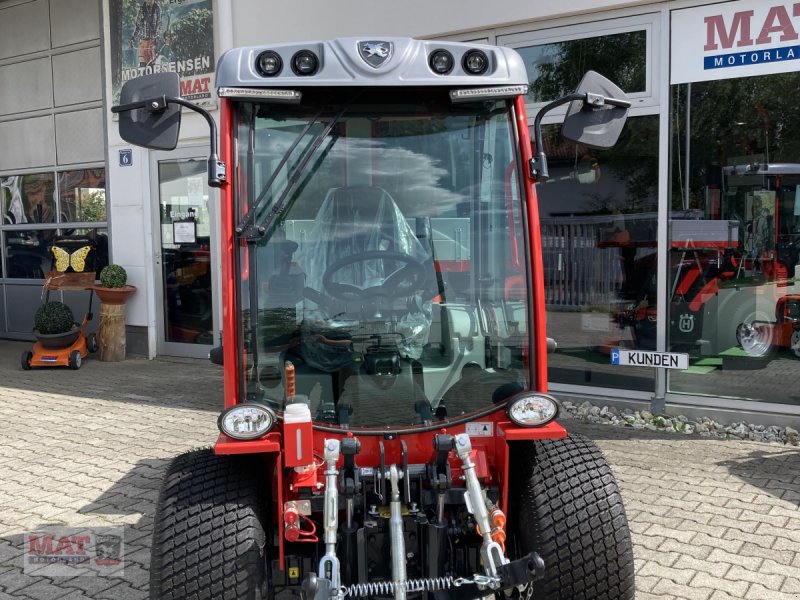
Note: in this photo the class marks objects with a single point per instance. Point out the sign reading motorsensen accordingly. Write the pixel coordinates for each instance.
(735, 39)
(643, 358)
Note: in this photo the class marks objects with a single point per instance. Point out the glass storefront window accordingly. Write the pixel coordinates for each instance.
(735, 236)
(28, 198)
(27, 253)
(83, 195)
(66, 198)
(599, 225)
(554, 69)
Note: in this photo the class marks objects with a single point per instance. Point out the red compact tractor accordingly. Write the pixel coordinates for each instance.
(387, 431)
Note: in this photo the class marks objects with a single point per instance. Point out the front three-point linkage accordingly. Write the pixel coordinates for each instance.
(500, 572)
(327, 584)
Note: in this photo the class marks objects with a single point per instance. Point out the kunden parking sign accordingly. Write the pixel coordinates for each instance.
(639, 358)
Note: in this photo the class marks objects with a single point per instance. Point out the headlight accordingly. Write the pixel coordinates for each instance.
(246, 421)
(305, 62)
(441, 62)
(475, 62)
(269, 63)
(531, 409)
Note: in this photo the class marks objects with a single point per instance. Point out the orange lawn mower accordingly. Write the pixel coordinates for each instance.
(65, 348)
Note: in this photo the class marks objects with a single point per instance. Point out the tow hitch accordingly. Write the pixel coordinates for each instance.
(499, 572)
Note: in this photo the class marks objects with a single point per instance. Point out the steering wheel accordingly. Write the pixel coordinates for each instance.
(406, 279)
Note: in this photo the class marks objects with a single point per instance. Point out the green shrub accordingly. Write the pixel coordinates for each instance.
(113, 276)
(53, 317)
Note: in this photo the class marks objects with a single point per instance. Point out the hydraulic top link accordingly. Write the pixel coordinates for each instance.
(491, 552)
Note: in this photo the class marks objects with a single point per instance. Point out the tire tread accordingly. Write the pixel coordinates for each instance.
(209, 539)
(579, 524)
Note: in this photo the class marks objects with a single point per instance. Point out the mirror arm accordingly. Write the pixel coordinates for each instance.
(153, 104)
(538, 164)
(216, 168)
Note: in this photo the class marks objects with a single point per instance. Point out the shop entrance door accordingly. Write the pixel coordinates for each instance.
(185, 257)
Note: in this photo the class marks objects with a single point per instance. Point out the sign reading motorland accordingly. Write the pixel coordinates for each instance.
(735, 39)
(643, 358)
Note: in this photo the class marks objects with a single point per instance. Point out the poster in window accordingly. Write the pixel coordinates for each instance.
(184, 232)
(153, 36)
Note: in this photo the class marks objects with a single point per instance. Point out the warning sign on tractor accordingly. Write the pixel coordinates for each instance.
(640, 358)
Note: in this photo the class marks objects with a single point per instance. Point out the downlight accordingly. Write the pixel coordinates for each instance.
(269, 63)
(475, 62)
(305, 62)
(441, 62)
(246, 421)
(532, 409)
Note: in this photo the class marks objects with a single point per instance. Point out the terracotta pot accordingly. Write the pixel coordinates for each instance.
(114, 295)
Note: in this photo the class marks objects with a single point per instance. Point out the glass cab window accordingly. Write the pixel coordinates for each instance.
(381, 256)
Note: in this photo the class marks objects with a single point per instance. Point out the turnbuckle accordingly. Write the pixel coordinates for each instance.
(491, 552)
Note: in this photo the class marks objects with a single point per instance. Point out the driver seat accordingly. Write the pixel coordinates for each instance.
(351, 221)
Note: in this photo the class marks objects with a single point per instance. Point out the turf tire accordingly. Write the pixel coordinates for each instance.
(209, 535)
(569, 509)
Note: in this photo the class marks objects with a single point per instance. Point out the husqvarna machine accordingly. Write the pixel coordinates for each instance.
(387, 431)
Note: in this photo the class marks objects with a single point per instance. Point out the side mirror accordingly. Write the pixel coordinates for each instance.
(596, 115)
(598, 119)
(150, 116)
(157, 124)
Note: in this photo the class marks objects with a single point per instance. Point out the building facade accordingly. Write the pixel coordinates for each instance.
(683, 238)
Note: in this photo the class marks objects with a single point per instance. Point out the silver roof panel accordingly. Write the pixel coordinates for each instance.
(374, 61)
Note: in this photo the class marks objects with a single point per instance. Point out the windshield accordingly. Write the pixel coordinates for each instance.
(380, 256)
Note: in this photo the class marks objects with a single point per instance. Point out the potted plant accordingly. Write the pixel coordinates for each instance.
(112, 291)
(113, 288)
(54, 325)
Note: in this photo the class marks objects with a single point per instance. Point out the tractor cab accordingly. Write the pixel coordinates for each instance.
(384, 340)
(384, 260)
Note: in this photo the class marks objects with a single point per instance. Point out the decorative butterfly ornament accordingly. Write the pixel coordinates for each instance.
(76, 260)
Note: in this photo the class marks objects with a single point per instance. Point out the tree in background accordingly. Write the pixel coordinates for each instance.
(193, 35)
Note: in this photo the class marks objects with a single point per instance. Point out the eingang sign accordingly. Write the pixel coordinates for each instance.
(734, 39)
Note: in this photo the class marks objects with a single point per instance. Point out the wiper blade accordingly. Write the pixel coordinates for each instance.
(256, 231)
(251, 213)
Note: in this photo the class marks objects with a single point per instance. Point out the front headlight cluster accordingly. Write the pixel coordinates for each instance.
(303, 63)
(246, 421)
(474, 62)
(532, 409)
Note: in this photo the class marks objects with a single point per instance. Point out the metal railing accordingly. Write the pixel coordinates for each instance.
(583, 262)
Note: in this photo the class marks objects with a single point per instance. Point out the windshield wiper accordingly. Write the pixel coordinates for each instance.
(251, 213)
(253, 232)
(247, 228)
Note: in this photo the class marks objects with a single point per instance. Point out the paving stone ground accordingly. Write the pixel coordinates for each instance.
(710, 519)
